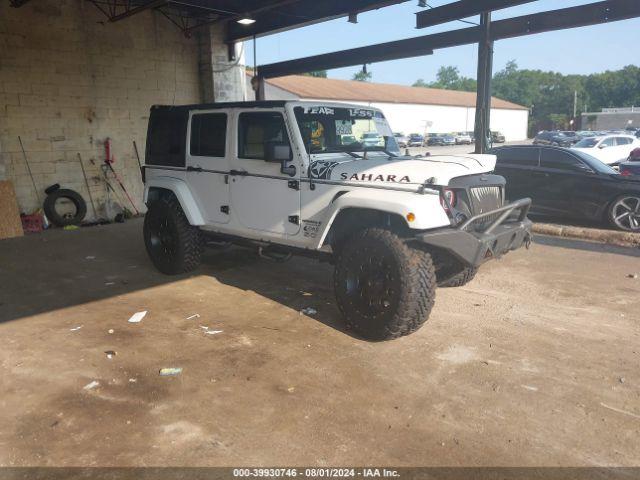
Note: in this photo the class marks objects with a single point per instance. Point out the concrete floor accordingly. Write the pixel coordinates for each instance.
(534, 363)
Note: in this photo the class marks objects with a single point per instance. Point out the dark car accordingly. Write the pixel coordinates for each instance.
(441, 140)
(559, 139)
(415, 140)
(568, 183)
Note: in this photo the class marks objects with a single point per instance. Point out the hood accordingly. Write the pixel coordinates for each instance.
(407, 171)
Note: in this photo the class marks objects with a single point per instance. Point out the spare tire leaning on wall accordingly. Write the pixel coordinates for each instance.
(61, 220)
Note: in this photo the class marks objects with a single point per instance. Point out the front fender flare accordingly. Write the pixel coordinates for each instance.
(426, 207)
(182, 192)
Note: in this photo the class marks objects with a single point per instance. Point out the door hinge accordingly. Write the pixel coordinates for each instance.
(225, 209)
(295, 184)
(295, 219)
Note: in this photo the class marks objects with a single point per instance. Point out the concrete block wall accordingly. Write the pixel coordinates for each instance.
(69, 79)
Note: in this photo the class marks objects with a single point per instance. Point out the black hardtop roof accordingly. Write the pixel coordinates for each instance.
(212, 106)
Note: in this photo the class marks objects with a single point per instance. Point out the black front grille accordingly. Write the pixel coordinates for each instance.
(485, 199)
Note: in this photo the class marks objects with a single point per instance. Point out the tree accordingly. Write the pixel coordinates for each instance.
(316, 73)
(449, 78)
(362, 76)
(420, 83)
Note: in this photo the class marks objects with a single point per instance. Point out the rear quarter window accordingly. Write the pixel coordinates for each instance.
(526, 157)
(166, 137)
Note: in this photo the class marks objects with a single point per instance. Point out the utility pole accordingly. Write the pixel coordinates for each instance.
(575, 105)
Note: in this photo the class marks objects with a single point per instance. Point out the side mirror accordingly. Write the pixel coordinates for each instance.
(601, 146)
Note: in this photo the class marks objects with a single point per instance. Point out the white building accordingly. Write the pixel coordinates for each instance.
(408, 109)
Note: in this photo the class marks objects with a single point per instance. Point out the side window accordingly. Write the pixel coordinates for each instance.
(622, 141)
(526, 157)
(609, 142)
(167, 136)
(208, 134)
(258, 129)
(552, 158)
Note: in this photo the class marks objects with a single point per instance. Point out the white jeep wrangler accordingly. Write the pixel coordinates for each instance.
(326, 180)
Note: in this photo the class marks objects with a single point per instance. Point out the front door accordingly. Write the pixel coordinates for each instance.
(262, 197)
(207, 164)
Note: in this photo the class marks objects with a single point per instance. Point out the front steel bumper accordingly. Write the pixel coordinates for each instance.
(474, 245)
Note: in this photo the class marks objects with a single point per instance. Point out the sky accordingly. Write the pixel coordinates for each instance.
(576, 51)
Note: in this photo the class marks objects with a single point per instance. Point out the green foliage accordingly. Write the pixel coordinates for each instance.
(362, 76)
(316, 73)
(550, 95)
(449, 78)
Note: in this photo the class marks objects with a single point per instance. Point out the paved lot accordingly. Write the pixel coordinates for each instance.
(533, 363)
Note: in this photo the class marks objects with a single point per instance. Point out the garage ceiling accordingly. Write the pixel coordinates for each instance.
(269, 16)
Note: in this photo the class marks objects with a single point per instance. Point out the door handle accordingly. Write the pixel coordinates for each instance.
(540, 174)
(241, 173)
(194, 169)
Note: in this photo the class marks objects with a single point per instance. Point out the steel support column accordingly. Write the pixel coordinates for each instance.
(483, 97)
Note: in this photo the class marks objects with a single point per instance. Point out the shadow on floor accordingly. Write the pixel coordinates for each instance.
(59, 269)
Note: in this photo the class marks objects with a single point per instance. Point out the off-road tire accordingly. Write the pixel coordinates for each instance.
(402, 299)
(173, 245)
(461, 278)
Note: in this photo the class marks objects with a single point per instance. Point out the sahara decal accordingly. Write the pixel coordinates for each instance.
(321, 169)
(370, 177)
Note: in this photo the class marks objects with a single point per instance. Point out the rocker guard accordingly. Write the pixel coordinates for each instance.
(476, 246)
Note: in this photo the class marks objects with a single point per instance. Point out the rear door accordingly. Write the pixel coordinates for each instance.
(207, 163)
(571, 187)
(263, 198)
(517, 165)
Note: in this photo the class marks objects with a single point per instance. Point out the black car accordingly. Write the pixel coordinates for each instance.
(567, 183)
(559, 139)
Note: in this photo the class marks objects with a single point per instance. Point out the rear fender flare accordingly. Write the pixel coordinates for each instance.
(182, 192)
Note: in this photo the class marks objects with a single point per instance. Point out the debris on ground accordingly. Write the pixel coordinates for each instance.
(632, 275)
(90, 257)
(195, 315)
(111, 330)
(75, 329)
(209, 332)
(621, 379)
(110, 354)
(291, 389)
(308, 311)
(70, 227)
(169, 371)
(108, 284)
(91, 385)
(133, 380)
(137, 317)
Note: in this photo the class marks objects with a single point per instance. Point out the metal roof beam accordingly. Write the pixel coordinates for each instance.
(300, 14)
(591, 14)
(462, 9)
(135, 10)
(345, 58)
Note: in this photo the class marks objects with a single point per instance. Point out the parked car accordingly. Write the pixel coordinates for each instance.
(462, 138)
(372, 139)
(472, 136)
(415, 140)
(569, 183)
(435, 139)
(497, 137)
(610, 149)
(559, 139)
(632, 165)
(401, 139)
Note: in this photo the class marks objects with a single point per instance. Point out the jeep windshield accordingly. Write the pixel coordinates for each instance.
(333, 130)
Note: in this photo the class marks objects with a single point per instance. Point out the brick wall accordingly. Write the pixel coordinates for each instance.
(69, 79)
